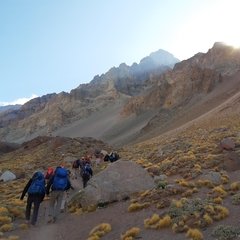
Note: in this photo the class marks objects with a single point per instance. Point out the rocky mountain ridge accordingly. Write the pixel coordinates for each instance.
(130, 102)
(44, 115)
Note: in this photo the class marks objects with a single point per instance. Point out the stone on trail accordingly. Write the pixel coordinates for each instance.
(118, 181)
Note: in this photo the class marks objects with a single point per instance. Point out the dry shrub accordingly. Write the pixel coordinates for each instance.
(151, 221)
(155, 222)
(225, 179)
(235, 186)
(144, 194)
(131, 233)
(207, 219)
(17, 202)
(17, 212)
(225, 232)
(218, 200)
(219, 190)
(3, 211)
(194, 234)
(5, 220)
(188, 193)
(182, 182)
(164, 222)
(137, 206)
(177, 204)
(236, 199)
(99, 231)
(6, 227)
(221, 212)
(23, 226)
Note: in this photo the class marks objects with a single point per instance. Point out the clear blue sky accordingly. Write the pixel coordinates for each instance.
(51, 46)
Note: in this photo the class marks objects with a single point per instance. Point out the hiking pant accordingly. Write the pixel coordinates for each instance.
(55, 202)
(76, 172)
(64, 201)
(85, 179)
(35, 200)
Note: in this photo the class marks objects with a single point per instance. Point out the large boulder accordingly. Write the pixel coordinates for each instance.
(227, 144)
(7, 176)
(118, 181)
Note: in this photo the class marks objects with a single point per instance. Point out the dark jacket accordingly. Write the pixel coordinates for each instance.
(41, 196)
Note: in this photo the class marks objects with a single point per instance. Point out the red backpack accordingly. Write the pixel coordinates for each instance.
(49, 173)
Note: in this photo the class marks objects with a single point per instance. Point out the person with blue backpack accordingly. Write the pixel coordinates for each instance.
(35, 189)
(58, 183)
(86, 173)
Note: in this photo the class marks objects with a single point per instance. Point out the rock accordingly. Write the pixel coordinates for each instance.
(227, 144)
(231, 161)
(161, 177)
(7, 176)
(214, 177)
(118, 181)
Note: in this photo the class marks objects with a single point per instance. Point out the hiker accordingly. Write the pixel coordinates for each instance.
(86, 174)
(49, 174)
(36, 193)
(113, 156)
(106, 158)
(58, 184)
(76, 168)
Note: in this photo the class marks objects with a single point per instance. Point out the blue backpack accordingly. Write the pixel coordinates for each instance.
(60, 181)
(38, 184)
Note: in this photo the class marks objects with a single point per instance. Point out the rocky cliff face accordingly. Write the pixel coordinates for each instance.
(46, 114)
(127, 99)
(196, 76)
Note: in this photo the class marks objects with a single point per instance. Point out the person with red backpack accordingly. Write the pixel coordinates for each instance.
(49, 174)
(58, 183)
(36, 193)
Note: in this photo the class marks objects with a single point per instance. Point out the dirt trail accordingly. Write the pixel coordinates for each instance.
(77, 227)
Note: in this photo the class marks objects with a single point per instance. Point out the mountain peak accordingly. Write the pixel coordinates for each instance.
(160, 57)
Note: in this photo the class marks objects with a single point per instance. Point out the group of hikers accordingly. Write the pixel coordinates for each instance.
(55, 184)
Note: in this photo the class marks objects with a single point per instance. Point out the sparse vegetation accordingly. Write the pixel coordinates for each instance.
(236, 199)
(223, 232)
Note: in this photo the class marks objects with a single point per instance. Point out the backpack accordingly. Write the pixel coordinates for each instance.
(60, 180)
(76, 164)
(49, 173)
(87, 171)
(38, 184)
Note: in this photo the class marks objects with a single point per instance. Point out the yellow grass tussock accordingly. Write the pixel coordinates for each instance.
(99, 231)
(137, 206)
(194, 234)
(164, 222)
(235, 186)
(207, 219)
(218, 200)
(219, 190)
(130, 234)
(221, 212)
(6, 227)
(5, 220)
(151, 221)
(3, 211)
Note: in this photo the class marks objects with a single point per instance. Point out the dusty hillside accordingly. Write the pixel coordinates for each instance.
(197, 199)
